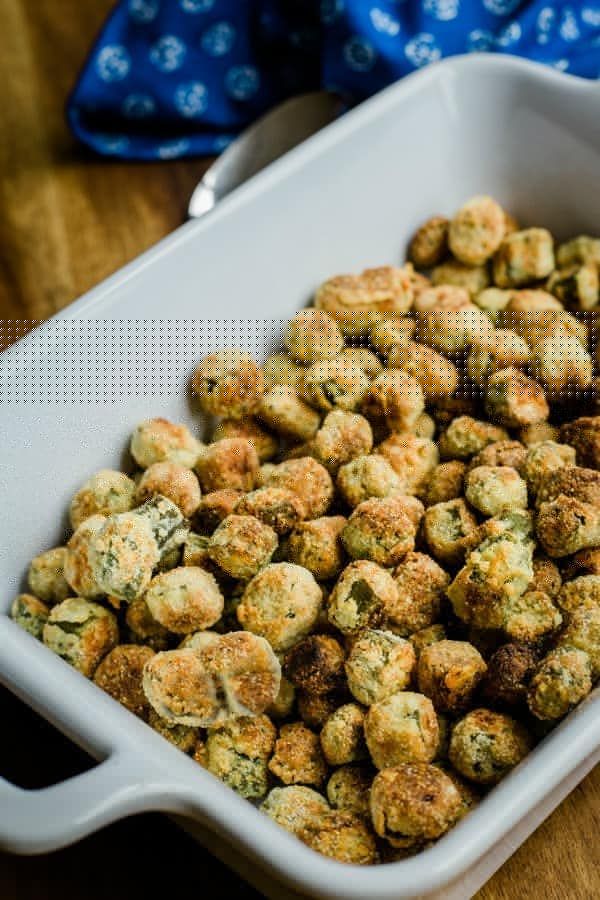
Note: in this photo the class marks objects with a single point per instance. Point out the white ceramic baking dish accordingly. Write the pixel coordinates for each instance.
(72, 391)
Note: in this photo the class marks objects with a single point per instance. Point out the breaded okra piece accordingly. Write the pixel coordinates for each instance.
(571, 481)
(316, 664)
(281, 603)
(361, 597)
(566, 525)
(279, 508)
(413, 803)
(449, 529)
(380, 530)
(120, 674)
(379, 664)
(449, 673)
(104, 493)
(583, 633)
(412, 458)
(213, 508)
(316, 545)
(231, 463)
(542, 460)
(396, 398)
(368, 476)
(421, 585)
(242, 545)
(581, 591)
(513, 400)
(582, 249)
(357, 301)
(445, 482)
(305, 477)
(563, 679)
(349, 788)
(294, 806)
(486, 745)
(477, 230)
(46, 576)
(524, 257)
(577, 286)
(583, 434)
(437, 375)
(282, 409)
(265, 443)
(342, 736)
(143, 627)
(473, 279)
(229, 384)
(509, 671)
(158, 440)
(401, 728)
(298, 758)
(81, 633)
(466, 436)
(30, 614)
(185, 599)
(175, 482)
(341, 438)
(122, 555)
(429, 244)
(389, 333)
(364, 358)
(452, 330)
(495, 489)
(238, 751)
(312, 335)
(560, 361)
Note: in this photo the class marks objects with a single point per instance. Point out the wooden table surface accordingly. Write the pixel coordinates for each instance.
(67, 220)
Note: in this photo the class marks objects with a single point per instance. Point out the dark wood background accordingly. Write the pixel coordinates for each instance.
(67, 220)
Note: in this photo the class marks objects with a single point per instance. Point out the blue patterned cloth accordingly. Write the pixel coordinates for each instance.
(171, 78)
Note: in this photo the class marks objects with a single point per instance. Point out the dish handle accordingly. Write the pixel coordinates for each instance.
(37, 821)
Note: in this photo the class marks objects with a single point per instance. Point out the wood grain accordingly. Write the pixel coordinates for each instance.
(67, 220)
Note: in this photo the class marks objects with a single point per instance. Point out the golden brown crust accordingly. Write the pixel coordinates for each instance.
(231, 463)
(298, 758)
(120, 675)
(316, 664)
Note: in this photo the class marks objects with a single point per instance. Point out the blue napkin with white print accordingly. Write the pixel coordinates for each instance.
(172, 78)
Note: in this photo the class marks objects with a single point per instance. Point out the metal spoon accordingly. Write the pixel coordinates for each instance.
(278, 131)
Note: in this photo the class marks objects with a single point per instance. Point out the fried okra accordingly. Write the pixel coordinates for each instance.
(238, 751)
(341, 438)
(229, 384)
(379, 664)
(563, 679)
(81, 633)
(401, 728)
(361, 597)
(445, 482)
(183, 737)
(560, 361)
(231, 463)
(120, 674)
(581, 591)
(413, 803)
(280, 368)
(143, 628)
(449, 673)
(477, 230)
(185, 599)
(248, 428)
(567, 525)
(46, 576)
(379, 530)
(242, 545)
(389, 333)
(582, 249)
(524, 257)
(429, 244)
(122, 555)
(30, 614)
(315, 709)
(178, 484)
(312, 335)
(368, 476)
(542, 460)
(104, 493)
(342, 736)
(512, 399)
(427, 636)
(237, 675)
(286, 413)
(295, 806)
(396, 398)
(583, 633)
(364, 358)
(298, 758)
(535, 434)
(449, 529)
(437, 375)
(281, 603)
(577, 286)
(494, 489)
(342, 836)
(334, 383)
(412, 458)
(316, 664)
(473, 279)
(305, 477)
(357, 301)
(571, 481)
(349, 789)
(279, 508)
(316, 545)
(158, 440)
(214, 507)
(583, 435)
(509, 671)
(421, 584)
(486, 745)
(466, 436)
